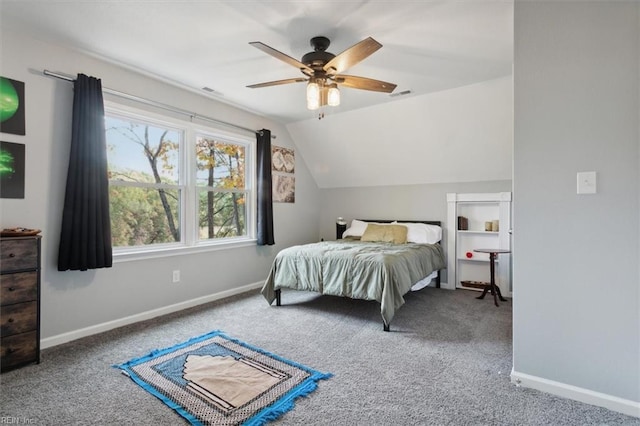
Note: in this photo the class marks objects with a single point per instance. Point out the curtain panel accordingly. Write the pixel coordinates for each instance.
(265, 194)
(85, 236)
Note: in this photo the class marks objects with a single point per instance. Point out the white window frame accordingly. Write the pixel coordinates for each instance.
(190, 243)
(250, 179)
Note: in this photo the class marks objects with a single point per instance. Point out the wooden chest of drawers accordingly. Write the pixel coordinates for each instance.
(19, 301)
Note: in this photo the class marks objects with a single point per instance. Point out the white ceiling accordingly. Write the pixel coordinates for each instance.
(428, 46)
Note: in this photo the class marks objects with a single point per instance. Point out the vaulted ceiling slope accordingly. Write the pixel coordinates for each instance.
(428, 46)
(457, 135)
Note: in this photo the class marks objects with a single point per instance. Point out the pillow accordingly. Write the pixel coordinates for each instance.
(422, 233)
(396, 234)
(356, 229)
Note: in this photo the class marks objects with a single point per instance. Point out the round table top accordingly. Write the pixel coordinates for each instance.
(493, 250)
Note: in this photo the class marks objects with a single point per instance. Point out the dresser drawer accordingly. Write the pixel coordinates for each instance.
(18, 350)
(18, 254)
(18, 287)
(19, 301)
(18, 318)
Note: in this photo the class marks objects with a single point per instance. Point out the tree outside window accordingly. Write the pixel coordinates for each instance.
(156, 167)
(221, 187)
(145, 191)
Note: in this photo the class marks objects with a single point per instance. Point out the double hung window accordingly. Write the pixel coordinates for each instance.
(174, 184)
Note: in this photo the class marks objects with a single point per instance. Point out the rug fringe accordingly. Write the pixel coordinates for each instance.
(287, 402)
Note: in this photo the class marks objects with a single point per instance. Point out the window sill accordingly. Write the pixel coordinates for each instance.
(127, 255)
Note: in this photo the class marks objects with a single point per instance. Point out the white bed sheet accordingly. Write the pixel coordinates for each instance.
(424, 282)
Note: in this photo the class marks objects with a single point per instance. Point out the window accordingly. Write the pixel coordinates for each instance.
(173, 184)
(145, 189)
(221, 184)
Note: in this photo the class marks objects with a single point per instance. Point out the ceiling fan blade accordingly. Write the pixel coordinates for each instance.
(278, 82)
(283, 57)
(352, 56)
(364, 83)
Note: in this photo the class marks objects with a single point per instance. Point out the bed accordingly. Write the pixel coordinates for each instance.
(377, 260)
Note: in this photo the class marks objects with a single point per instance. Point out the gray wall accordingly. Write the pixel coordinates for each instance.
(73, 301)
(411, 202)
(575, 263)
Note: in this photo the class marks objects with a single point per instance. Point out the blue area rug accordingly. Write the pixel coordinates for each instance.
(217, 380)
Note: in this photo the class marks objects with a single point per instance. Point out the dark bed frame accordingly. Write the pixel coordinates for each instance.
(428, 222)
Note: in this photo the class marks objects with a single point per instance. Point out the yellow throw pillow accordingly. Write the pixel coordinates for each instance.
(396, 234)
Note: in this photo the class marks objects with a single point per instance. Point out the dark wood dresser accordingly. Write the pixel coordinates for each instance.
(19, 301)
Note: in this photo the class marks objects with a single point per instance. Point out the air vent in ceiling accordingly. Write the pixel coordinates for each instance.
(212, 91)
(404, 92)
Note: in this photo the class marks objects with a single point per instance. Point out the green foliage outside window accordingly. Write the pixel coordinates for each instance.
(138, 217)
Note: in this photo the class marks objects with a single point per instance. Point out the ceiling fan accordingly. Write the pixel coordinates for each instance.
(323, 71)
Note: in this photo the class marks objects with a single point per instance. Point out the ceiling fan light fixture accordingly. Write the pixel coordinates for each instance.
(333, 97)
(313, 95)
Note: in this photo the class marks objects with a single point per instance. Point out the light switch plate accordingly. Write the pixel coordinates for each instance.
(586, 182)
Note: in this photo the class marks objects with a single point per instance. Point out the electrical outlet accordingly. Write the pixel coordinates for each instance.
(176, 276)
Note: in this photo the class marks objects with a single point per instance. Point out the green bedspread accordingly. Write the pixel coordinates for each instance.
(360, 270)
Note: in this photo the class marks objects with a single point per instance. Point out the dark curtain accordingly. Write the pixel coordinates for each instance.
(265, 194)
(85, 238)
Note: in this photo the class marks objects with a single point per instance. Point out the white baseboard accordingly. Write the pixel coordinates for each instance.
(446, 286)
(624, 406)
(110, 325)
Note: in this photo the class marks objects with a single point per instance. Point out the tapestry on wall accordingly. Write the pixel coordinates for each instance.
(283, 159)
(12, 106)
(284, 189)
(283, 166)
(12, 165)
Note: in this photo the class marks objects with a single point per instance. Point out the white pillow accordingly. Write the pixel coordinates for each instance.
(356, 229)
(422, 233)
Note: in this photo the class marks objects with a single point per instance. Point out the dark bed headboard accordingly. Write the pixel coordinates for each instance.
(428, 222)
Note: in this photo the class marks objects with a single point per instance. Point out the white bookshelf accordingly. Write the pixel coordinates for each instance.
(463, 264)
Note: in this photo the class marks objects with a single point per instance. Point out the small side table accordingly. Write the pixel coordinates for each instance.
(495, 290)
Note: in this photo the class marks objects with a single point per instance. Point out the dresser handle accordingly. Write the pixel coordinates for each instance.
(10, 320)
(12, 289)
(12, 255)
(10, 350)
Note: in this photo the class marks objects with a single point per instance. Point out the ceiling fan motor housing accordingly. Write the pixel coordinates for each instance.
(319, 57)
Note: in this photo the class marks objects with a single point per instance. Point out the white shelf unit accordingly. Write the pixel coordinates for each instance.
(478, 209)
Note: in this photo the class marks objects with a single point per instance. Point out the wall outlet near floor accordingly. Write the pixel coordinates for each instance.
(176, 276)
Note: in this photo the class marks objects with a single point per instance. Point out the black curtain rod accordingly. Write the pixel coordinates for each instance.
(156, 104)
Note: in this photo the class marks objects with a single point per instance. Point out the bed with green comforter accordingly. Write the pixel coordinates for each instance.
(378, 271)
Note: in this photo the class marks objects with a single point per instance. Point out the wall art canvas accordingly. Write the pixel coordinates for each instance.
(12, 106)
(283, 159)
(284, 189)
(12, 165)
